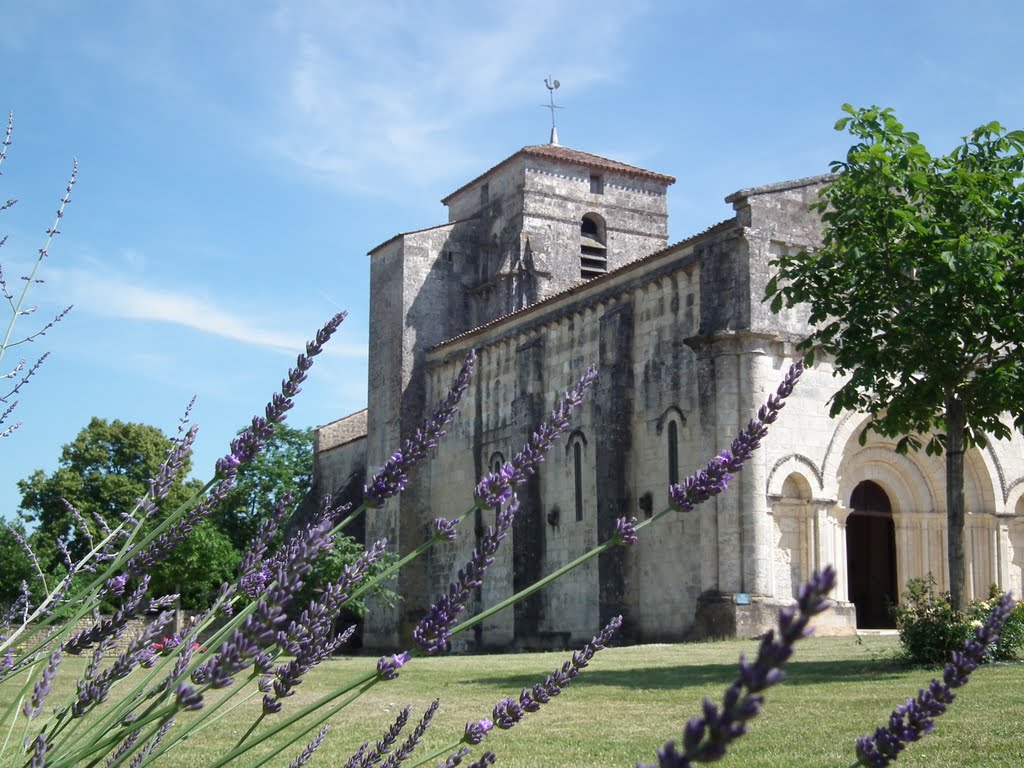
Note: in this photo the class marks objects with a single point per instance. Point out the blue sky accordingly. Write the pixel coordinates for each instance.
(239, 159)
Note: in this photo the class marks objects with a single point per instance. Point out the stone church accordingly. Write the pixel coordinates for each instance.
(555, 259)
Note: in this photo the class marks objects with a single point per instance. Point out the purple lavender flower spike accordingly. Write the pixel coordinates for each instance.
(390, 480)
(125, 747)
(34, 706)
(150, 746)
(39, 749)
(706, 738)
(248, 643)
(476, 730)
(388, 666)
(310, 639)
(179, 451)
(188, 698)
(434, 631)
(407, 747)
(914, 719)
(303, 757)
(116, 584)
(28, 553)
(80, 524)
(446, 529)
(253, 582)
(114, 626)
(715, 477)
(486, 759)
(455, 758)
(625, 530)
(366, 759)
(508, 712)
(496, 488)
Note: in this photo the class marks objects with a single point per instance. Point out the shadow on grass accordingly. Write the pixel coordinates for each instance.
(690, 675)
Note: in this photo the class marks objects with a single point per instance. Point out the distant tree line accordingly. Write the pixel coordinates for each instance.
(105, 470)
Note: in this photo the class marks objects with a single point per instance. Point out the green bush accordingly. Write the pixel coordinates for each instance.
(930, 628)
(1011, 637)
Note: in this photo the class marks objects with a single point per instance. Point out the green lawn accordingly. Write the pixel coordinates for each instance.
(630, 700)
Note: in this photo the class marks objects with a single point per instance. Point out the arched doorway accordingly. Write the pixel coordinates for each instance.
(871, 556)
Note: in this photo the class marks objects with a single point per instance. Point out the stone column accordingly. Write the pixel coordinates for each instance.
(1004, 546)
(758, 536)
(528, 527)
(710, 540)
(730, 527)
(908, 555)
(613, 404)
(837, 516)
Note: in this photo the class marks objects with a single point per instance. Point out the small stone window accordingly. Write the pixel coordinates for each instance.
(596, 184)
(497, 462)
(673, 453)
(576, 463)
(593, 251)
(577, 472)
(485, 193)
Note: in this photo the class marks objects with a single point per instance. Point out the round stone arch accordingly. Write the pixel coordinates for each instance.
(796, 487)
(980, 475)
(1015, 499)
(908, 487)
(798, 465)
(840, 446)
(981, 471)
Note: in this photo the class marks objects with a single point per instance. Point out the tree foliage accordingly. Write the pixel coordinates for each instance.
(917, 295)
(197, 567)
(15, 567)
(103, 472)
(285, 466)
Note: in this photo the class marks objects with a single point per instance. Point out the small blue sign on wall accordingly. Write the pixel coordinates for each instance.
(742, 598)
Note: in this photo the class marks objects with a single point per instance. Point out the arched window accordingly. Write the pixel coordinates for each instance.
(671, 424)
(593, 250)
(673, 453)
(577, 473)
(496, 462)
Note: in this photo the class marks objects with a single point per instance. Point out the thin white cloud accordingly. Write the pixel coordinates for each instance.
(378, 97)
(110, 295)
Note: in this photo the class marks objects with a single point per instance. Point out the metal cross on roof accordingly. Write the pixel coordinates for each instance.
(552, 85)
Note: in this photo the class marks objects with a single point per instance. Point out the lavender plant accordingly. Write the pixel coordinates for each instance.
(15, 378)
(135, 703)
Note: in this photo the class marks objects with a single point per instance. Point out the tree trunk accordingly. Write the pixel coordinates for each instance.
(955, 499)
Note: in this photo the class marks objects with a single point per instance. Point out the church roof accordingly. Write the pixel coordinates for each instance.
(565, 154)
(781, 186)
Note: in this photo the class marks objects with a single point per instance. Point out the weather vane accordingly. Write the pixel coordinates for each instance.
(552, 85)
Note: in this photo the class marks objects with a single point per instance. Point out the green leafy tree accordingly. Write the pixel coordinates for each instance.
(197, 567)
(15, 567)
(285, 466)
(102, 472)
(917, 294)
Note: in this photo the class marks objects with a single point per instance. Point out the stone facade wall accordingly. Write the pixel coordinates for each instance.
(632, 327)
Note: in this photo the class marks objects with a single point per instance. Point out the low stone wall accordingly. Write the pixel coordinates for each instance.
(133, 629)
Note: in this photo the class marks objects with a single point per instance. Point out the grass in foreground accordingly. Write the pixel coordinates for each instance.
(630, 700)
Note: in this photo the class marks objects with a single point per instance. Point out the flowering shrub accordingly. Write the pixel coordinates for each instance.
(155, 695)
(931, 629)
(1011, 637)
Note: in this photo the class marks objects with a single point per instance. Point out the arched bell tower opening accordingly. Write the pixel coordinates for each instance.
(871, 556)
(593, 247)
